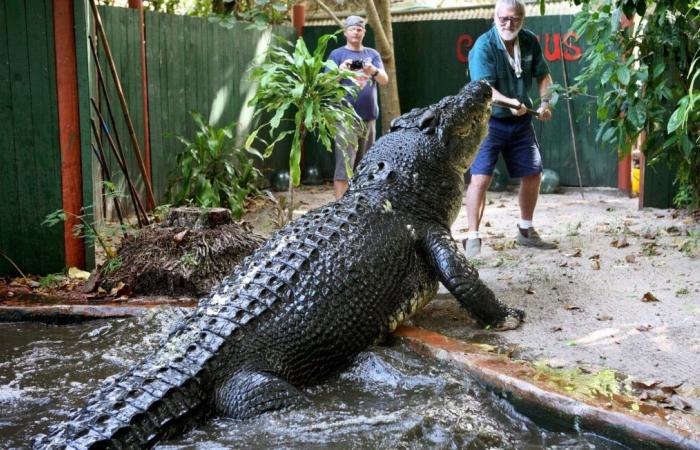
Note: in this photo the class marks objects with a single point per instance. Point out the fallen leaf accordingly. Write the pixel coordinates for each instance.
(671, 389)
(555, 329)
(646, 384)
(529, 290)
(620, 242)
(673, 230)
(76, 274)
(645, 327)
(180, 236)
(649, 297)
(564, 264)
(487, 224)
(575, 254)
(596, 256)
(504, 277)
(603, 317)
(572, 307)
(595, 264)
(631, 259)
(117, 290)
(679, 403)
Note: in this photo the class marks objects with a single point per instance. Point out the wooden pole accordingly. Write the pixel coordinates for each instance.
(138, 4)
(68, 128)
(138, 206)
(122, 100)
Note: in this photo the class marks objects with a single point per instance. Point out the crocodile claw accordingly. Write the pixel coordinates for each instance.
(512, 320)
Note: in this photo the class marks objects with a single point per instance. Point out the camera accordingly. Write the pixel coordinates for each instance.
(356, 64)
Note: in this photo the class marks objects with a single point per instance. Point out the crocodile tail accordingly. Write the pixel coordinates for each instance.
(154, 401)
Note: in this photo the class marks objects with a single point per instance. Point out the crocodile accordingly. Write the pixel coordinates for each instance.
(317, 293)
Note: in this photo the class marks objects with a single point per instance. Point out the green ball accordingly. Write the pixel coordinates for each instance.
(499, 181)
(311, 175)
(280, 181)
(550, 182)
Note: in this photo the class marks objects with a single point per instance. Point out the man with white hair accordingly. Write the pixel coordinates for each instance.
(509, 58)
(367, 63)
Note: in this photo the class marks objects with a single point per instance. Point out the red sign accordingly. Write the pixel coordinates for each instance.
(555, 47)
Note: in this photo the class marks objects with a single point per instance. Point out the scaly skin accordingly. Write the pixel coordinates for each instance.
(316, 294)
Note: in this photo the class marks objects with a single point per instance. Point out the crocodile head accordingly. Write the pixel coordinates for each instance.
(462, 123)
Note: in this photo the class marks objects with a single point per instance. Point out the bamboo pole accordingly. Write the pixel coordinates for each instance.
(122, 101)
(103, 87)
(99, 153)
(138, 206)
(571, 122)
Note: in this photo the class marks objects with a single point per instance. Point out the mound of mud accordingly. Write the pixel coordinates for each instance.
(186, 255)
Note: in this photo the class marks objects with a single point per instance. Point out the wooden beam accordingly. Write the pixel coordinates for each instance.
(68, 128)
(138, 4)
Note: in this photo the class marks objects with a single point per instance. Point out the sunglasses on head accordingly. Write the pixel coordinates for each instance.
(512, 19)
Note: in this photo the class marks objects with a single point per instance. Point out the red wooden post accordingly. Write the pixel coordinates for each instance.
(624, 174)
(298, 18)
(68, 128)
(138, 4)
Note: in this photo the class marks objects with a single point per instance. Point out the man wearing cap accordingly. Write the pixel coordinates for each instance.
(509, 59)
(368, 65)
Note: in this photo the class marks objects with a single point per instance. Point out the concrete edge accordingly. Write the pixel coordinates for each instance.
(657, 428)
(65, 314)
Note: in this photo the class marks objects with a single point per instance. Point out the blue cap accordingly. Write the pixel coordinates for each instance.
(354, 21)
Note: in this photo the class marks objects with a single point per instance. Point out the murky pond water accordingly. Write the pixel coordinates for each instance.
(392, 398)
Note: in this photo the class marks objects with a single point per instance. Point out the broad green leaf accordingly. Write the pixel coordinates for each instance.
(623, 74)
(676, 119)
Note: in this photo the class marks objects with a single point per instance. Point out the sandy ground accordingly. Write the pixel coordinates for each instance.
(587, 303)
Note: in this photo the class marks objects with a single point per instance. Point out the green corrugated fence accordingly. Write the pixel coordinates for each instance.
(431, 60)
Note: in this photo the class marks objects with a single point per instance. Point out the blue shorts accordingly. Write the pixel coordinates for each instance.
(515, 138)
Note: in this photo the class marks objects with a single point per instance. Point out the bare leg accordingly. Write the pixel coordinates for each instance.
(339, 188)
(476, 193)
(528, 194)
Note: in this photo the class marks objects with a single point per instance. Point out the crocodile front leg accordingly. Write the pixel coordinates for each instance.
(462, 280)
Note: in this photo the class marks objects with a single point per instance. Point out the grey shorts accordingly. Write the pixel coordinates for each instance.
(355, 153)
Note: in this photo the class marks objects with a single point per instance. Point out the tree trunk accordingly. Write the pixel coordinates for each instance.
(379, 17)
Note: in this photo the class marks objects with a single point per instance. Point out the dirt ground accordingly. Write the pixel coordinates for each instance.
(621, 292)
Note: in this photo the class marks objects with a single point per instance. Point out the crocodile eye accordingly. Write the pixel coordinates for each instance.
(380, 166)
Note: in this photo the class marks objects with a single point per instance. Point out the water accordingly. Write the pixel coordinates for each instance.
(391, 398)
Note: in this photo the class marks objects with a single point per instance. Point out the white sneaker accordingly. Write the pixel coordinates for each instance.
(472, 247)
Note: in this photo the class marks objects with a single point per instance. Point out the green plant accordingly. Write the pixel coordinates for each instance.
(690, 245)
(111, 265)
(291, 80)
(188, 260)
(213, 171)
(261, 13)
(160, 212)
(52, 280)
(653, 89)
(84, 229)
